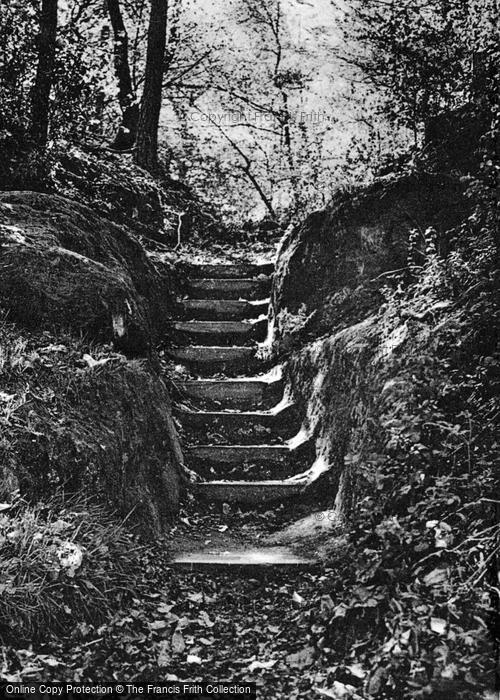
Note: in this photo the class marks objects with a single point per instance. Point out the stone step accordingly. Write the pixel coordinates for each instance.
(207, 360)
(223, 309)
(243, 427)
(231, 455)
(229, 288)
(231, 271)
(244, 394)
(221, 332)
(250, 492)
(243, 461)
(254, 560)
(247, 462)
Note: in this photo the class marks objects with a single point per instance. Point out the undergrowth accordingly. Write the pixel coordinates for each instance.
(63, 561)
(415, 581)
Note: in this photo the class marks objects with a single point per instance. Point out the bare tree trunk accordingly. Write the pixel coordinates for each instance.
(260, 191)
(44, 73)
(146, 154)
(127, 131)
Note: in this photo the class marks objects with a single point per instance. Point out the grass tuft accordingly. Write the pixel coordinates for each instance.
(63, 561)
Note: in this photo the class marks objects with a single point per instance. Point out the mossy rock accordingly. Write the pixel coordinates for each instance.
(335, 263)
(62, 266)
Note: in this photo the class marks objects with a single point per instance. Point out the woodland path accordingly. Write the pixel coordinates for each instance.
(225, 603)
(242, 438)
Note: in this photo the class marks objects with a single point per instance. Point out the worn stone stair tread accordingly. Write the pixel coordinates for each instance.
(254, 558)
(251, 492)
(209, 360)
(223, 309)
(283, 411)
(280, 410)
(211, 353)
(239, 454)
(222, 332)
(272, 377)
(212, 326)
(239, 427)
(231, 270)
(244, 393)
(237, 288)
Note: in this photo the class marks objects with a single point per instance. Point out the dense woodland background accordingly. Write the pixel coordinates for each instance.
(366, 130)
(267, 108)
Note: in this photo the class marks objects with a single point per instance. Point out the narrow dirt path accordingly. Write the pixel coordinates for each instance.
(209, 627)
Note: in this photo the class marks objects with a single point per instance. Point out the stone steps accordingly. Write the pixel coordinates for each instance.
(244, 394)
(222, 309)
(239, 288)
(259, 432)
(208, 360)
(221, 332)
(231, 271)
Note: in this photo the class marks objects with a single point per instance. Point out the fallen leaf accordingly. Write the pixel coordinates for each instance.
(339, 691)
(195, 597)
(327, 693)
(255, 665)
(164, 607)
(183, 622)
(178, 643)
(341, 610)
(450, 671)
(435, 577)
(70, 557)
(376, 681)
(95, 363)
(158, 625)
(438, 625)
(204, 620)
(326, 604)
(301, 659)
(193, 659)
(357, 670)
(48, 660)
(164, 657)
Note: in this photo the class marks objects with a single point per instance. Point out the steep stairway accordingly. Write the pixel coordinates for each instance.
(241, 435)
